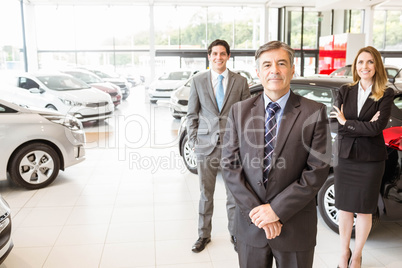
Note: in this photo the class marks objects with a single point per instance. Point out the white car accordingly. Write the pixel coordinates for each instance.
(162, 87)
(70, 95)
(179, 97)
(37, 143)
(31, 97)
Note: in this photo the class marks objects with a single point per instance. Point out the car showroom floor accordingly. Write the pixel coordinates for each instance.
(132, 203)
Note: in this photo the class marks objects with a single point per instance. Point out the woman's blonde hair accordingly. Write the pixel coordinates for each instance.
(380, 77)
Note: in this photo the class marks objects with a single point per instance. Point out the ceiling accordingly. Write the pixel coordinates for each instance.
(318, 4)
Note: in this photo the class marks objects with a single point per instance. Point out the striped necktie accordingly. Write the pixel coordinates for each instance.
(270, 137)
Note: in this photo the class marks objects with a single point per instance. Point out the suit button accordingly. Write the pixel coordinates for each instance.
(259, 183)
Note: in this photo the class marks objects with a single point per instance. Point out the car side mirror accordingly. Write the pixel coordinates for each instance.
(36, 90)
(392, 79)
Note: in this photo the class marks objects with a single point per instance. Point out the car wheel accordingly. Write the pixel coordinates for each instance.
(52, 107)
(189, 157)
(326, 204)
(34, 166)
(154, 101)
(177, 117)
(328, 211)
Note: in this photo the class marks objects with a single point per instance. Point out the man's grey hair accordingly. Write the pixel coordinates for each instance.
(271, 46)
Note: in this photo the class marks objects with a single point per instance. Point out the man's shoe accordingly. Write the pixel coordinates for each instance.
(200, 244)
(233, 240)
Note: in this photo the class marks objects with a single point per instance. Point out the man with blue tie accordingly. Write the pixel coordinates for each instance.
(275, 159)
(212, 94)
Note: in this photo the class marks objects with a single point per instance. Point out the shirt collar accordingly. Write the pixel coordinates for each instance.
(282, 101)
(365, 91)
(215, 74)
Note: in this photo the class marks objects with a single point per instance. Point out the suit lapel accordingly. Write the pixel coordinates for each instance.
(257, 124)
(353, 100)
(211, 92)
(289, 117)
(366, 106)
(229, 87)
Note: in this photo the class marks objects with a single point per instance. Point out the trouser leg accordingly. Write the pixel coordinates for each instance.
(230, 209)
(207, 171)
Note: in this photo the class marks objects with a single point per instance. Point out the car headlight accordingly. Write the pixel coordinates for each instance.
(67, 120)
(71, 103)
(174, 98)
(4, 209)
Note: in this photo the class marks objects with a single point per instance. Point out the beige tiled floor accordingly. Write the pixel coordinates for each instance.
(132, 203)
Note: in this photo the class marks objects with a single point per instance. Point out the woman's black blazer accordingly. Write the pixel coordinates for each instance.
(359, 133)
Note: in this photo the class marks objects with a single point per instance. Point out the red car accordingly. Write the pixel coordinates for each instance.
(97, 82)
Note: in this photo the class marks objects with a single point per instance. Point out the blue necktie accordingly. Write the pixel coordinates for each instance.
(219, 92)
(270, 137)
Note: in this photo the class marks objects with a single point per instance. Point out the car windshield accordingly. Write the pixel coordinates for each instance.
(176, 76)
(87, 78)
(62, 82)
(344, 71)
(106, 75)
(319, 94)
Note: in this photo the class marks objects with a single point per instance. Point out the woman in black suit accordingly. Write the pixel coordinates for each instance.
(362, 109)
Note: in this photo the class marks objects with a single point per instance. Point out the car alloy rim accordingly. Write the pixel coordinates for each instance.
(36, 167)
(329, 204)
(189, 156)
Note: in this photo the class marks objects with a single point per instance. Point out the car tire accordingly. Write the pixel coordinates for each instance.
(176, 116)
(153, 101)
(25, 170)
(328, 211)
(189, 157)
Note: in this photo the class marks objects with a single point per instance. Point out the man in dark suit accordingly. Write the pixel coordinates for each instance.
(274, 164)
(212, 94)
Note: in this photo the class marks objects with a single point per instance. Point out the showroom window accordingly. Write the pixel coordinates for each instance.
(386, 24)
(302, 35)
(247, 23)
(184, 28)
(196, 27)
(11, 44)
(55, 27)
(353, 21)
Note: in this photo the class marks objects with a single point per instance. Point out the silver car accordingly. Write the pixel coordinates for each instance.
(346, 71)
(6, 243)
(37, 143)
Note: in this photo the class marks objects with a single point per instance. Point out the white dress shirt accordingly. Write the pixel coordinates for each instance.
(362, 96)
(214, 79)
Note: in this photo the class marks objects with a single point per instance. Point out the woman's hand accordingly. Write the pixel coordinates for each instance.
(338, 114)
(375, 117)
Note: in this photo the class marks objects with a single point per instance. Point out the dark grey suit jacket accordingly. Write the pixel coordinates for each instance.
(205, 124)
(300, 166)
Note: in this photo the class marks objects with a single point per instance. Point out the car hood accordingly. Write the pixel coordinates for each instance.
(83, 95)
(167, 84)
(35, 110)
(105, 87)
(115, 80)
(182, 93)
